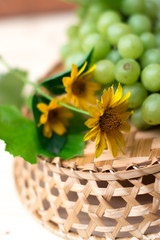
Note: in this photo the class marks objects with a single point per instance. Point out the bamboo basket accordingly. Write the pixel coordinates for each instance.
(99, 199)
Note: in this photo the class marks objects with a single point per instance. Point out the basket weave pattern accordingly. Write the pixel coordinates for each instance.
(91, 203)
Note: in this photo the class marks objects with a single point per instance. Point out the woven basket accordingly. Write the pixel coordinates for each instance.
(97, 200)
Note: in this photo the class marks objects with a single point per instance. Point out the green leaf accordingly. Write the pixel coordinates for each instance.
(68, 145)
(20, 135)
(56, 142)
(55, 85)
(11, 88)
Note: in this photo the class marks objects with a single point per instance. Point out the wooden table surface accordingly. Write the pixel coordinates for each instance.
(31, 43)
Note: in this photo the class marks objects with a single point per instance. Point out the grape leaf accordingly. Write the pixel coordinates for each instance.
(20, 135)
(11, 88)
(54, 84)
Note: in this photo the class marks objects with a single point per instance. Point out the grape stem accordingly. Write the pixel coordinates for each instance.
(37, 87)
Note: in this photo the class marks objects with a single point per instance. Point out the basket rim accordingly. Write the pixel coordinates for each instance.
(100, 176)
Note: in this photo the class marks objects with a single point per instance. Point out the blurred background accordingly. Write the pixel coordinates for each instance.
(32, 32)
(17, 7)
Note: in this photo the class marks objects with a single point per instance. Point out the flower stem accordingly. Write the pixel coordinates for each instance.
(73, 108)
(38, 88)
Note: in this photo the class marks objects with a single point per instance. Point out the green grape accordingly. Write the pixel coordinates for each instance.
(116, 31)
(130, 7)
(149, 57)
(101, 45)
(150, 109)
(81, 12)
(75, 45)
(72, 31)
(138, 121)
(113, 56)
(151, 9)
(104, 72)
(149, 40)
(87, 28)
(151, 77)
(107, 19)
(95, 10)
(127, 71)
(140, 23)
(74, 58)
(65, 51)
(138, 94)
(158, 40)
(130, 46)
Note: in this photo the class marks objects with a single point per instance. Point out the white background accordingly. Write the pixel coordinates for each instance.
(31, 43)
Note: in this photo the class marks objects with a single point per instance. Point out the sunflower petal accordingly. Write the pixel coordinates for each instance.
(53, 104)
(82, 69)
(91, 122)
(118, 95)
(120, 138)
(107, 97)
(43, 118)
(42, 107)
(58, 127)
(101, 146)
(67, 81)
(125, 127)
(64, 113)
(91, 70)
(94, 111)
(112, 145)
(125, 98)
(74, 72)
(47, 130)
(91, 134)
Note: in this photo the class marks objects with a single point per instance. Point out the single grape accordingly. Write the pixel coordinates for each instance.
(149, 40)
(127, 71)
(130, 7)
(107, 19)
(116, 31)
(138, 121)
(130, 46)
(113, 56)
(151, 9)
(151, 77)
(75, 45)
(149, 57)
(140, 23)
(87, 28)
(138, 94)
(72, 31)
(104, 72)
(150, 109)
(101, 45)
(75, 58)
(95, 9)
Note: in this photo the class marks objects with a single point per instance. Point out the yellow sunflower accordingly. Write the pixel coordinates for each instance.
(108, 120)
(80, 90)
(54, 118)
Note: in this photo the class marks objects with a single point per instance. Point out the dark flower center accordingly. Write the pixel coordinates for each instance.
(109, 121)
(78, 88)
(53, 114)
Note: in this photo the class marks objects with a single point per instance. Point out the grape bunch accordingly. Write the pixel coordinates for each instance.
(125, 35)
